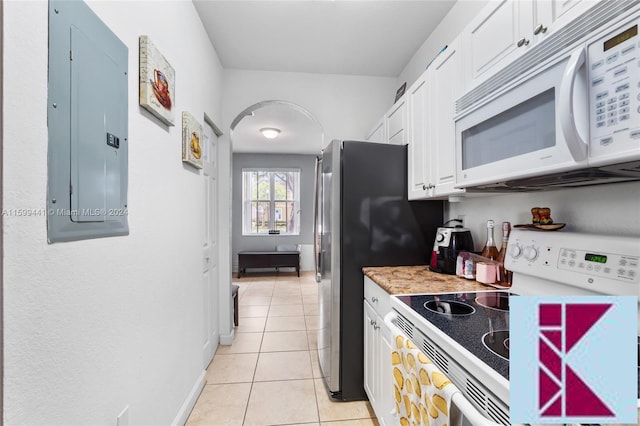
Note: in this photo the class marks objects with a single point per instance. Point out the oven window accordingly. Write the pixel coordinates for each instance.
(526, 127)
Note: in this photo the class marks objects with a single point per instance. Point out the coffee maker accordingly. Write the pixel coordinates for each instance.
(449, 242)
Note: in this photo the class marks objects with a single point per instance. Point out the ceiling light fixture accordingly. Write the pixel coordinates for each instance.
(270, 132)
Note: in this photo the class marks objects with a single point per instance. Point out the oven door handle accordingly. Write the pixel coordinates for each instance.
(468, 411)
(566, 106)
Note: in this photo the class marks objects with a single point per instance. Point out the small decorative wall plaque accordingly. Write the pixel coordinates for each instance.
(191, 140)
(157, 82)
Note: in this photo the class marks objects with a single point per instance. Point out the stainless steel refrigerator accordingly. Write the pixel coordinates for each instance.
(363, 218)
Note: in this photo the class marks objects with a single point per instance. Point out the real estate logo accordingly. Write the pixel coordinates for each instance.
(573, 359)
(562, 392)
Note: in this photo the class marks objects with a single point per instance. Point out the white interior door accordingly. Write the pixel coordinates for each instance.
(210, 244)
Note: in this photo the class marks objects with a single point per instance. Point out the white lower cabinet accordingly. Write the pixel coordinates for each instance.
(377, 354)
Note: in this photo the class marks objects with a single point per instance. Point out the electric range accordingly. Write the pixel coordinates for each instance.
(466, 334)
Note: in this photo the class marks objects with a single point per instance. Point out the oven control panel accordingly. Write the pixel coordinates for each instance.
(599, 263)
(609, 265)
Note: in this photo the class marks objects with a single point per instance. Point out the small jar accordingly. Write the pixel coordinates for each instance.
(469, 270)
(462, 257)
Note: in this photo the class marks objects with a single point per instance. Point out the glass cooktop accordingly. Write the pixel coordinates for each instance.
(479, 322)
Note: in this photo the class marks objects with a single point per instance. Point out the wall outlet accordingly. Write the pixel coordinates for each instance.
(123, 417)
(461, 218)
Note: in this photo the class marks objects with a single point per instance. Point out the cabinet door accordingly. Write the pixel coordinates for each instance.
(370, 353)
(447, 85)
(397, 122)
(492, 37)
(377, 134)
(550, 15)
(419, 172)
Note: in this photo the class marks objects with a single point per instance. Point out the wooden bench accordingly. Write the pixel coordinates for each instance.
(268, 259)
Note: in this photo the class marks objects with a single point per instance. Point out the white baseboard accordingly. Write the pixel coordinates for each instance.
(227, 339)
(191, 400)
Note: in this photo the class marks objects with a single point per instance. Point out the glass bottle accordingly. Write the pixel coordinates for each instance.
(490, 250)
(504, 276)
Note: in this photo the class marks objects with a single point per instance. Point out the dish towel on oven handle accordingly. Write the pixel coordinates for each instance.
(422, 393)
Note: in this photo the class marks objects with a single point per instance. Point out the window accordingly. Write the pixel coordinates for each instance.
(271, 202)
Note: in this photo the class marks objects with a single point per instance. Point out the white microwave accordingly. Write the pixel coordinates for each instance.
(573, 121)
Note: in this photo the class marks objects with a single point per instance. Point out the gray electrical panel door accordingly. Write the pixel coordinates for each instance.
(88, 132)
(96, 116)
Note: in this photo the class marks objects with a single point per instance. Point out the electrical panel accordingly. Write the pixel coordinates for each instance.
(88, 126)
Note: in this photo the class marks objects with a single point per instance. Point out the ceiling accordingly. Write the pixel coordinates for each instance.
(300, 134)
(374, 38)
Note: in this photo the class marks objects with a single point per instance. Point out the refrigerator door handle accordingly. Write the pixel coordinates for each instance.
(317, 234)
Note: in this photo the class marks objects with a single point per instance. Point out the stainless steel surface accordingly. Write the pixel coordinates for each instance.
(329, 333)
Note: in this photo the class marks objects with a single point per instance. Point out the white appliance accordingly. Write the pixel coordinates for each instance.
(471, 347)
(571, 104)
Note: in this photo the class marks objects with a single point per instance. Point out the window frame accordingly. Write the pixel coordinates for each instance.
(247, 228)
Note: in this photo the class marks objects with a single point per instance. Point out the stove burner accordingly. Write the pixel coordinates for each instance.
(449, 307)
(497, 301)
(498, 343)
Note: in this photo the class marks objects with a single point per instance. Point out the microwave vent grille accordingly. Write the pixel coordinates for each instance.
(599, 15)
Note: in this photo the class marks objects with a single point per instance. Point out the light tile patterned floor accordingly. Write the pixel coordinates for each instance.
(270, 375)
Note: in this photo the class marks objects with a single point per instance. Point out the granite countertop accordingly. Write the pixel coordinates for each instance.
(419, 279)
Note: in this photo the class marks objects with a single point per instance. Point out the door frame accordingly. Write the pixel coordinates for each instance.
(216, 308)
(1, 225)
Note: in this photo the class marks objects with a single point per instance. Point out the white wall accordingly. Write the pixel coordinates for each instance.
(448, 29)
(345, 106)
(602, 209)
(94, 326)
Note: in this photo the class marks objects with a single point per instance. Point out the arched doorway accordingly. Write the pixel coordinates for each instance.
(298, 145)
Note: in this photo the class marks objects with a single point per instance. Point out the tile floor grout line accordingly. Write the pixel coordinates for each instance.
(255, 370)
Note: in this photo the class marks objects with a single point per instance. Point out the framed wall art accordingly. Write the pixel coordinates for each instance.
(400, 92)
(191, 140)
(157, 82)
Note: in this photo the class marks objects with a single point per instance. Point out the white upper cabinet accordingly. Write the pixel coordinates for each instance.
(551, 15)
(396, 120)
(506, 29)
(378, 134)
(418, 100)
(496, 36)
(448, 83)
(431, 102)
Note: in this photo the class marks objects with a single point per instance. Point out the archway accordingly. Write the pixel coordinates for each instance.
(298, 146)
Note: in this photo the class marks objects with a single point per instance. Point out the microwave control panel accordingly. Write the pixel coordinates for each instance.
(614, 93)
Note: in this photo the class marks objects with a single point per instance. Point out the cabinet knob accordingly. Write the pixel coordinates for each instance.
(539, 29)
(431, 186)
(372, 322)
(374, 299)
(376, 326)
(424, 187)
(523, 42)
